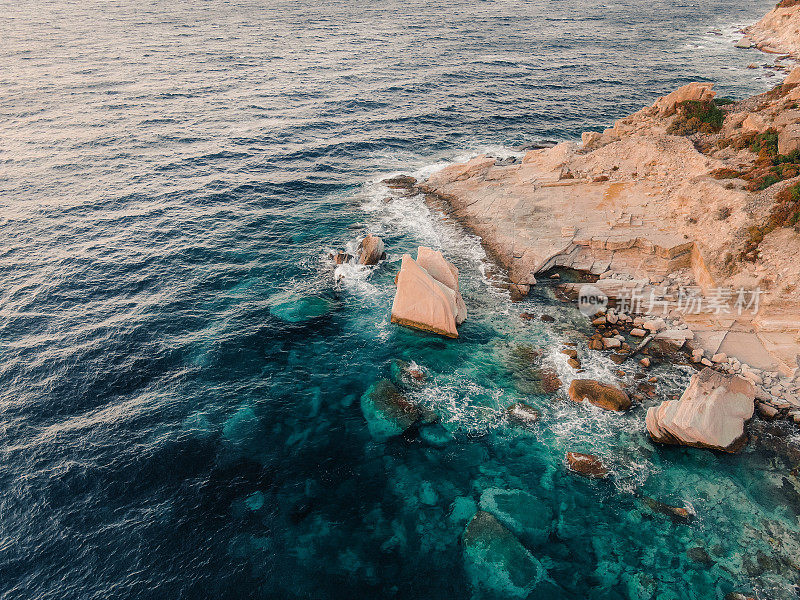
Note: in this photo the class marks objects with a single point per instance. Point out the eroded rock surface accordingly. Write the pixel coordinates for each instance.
(422, 302)
(712, 413)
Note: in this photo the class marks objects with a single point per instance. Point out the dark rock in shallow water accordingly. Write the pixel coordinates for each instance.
(538, 145)
(496, 560)
(587, 465)
(699, 555)
(435, 435)
(522, 414)
(676, 513)
(293, 308)
(341, 257)
(401, 182)
(526, 516)
(370, 250)
(387, 411)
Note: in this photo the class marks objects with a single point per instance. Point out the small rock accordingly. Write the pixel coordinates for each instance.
(611, 343)
(587, 465)
(370, 250)
(548, 319)
(677, 514)
(574, 363)
(766, 411)
(571, 352)
(706, 362)
(699, 555)
(719, 357)
(522, 413)
(637, 332)
(645, 362)
(599, 321)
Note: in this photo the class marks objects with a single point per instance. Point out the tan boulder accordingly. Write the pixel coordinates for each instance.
(443, 272)
(789, 139)
(793, 78)
(370, 250)
(754, 123)
(422, 302)
(600, 394)
(587, 465)
(695, 91)
(711, 413)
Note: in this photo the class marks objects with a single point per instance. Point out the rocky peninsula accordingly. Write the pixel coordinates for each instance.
(685, 216)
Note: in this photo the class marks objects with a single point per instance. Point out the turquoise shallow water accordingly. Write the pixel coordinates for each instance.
(183, 369)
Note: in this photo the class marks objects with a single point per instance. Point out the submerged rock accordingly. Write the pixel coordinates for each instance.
(370, 250)
(678, 514)
(422, 302)
(711, 413)
(600, 394)
(497, 561)
(526, 516)
(587, 465)
(522, 413)
(292, 308)
(387, 411)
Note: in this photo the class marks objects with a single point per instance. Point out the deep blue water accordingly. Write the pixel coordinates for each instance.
(172, 177)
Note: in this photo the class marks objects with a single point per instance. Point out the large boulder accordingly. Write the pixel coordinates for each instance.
(387, 411)
(711, 413)
(695, 92)
(443, 272)
(600, 394)
(497, 561)
(370, 250)
(422, 302)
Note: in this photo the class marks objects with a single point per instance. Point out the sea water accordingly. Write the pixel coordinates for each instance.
(183, 369)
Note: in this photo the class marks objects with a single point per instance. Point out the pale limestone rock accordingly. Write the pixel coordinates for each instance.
(789, 139)
(611, 343)
(754, 123)
(590, 138)
(778, 31)
(711, 413)
(673, 338)
(443, 272)
(370, 250)
(719, 357)
(636, 332)
(793, 78)
(422, 302)
(695, 91)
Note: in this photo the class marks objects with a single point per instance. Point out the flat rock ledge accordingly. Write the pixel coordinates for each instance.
(711, 414)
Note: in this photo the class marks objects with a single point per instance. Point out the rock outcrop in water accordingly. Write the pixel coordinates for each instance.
(371, 250)
(497, 561)
(711, 413)
(387, 411)
(600, 394)
(428, 300)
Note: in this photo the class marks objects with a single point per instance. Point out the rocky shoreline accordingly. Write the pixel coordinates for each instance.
(692, 200)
